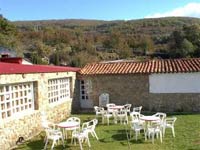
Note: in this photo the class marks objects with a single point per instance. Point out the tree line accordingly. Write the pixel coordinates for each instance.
(78, 42)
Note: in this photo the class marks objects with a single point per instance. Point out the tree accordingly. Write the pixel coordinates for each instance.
(187, 48)
(192, 33)
(123, 50)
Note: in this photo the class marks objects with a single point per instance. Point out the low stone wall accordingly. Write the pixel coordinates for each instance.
(29, 125)
(26, 126)
(134, 89)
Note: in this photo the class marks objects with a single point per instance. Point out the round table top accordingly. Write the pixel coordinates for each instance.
(116, 107)
(68, 124)
(150, 118)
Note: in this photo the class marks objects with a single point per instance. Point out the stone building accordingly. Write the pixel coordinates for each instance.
(28, 90)
(171, 85)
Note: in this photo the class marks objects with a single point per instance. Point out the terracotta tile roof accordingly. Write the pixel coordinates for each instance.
(12, 68)
(149, 66)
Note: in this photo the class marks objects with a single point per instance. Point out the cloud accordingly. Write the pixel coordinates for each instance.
(189, 10)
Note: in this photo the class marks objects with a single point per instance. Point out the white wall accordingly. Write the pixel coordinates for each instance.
(174, 83)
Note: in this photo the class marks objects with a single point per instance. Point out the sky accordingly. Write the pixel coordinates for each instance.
(18, 10)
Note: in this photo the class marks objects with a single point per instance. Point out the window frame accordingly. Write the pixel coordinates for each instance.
(58, 90)
(83, 91)
(16, 99)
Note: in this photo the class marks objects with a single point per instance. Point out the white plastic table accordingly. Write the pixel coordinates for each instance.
(116, 107)
(68, 126)
(149, 118)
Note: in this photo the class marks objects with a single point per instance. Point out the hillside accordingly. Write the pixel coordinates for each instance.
(145, 26)
(77, 42)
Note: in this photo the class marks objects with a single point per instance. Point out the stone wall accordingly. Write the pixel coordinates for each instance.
(29, 124)
(134, 89)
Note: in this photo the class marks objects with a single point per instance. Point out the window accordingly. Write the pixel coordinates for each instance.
(58, 90)
(15, 99)
(83, 90)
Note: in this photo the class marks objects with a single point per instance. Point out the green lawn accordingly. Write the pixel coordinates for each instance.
(113, 137)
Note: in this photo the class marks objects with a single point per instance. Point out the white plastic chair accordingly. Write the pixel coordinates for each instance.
(136, 123)
(81, 136)
(90, 127)
(152, 130)
(87, 127)
(46, 124)
(169, 123)
(106, 115)
(120, 115)
(135, 117)
(73, 119)
(137, 127)
(98, 111)
(54, 135)
(137, 109)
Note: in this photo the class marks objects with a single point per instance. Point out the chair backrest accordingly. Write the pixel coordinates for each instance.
(98, 109)
(90, 125)
(128, 107)
(135, 116)
(85, 125)
(74, 119)
(170, 121)
(161, 115)
(95, 121)
(110, 105)
(116, 112)
(122, 111)
(137, 109)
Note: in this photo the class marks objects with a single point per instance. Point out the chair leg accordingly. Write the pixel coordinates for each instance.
(63, 141)
(163, 131)
(45, 146)
(45, 138)
(95, 135)
(52, 146)
(152, 137)
(160, 136)
(88, 141)
(65, 134)
(173, 132)
(157, 135)
(136, 135)
(102, 119)
(130, 134)
(145, 135)
(80, 143)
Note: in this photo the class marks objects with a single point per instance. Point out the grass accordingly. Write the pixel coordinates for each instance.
(113, 137)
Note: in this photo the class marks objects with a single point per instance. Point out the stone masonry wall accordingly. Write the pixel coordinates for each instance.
(29, 124)
(134, 89)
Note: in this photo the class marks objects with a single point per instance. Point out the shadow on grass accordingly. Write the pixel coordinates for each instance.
(39, 144)
(36, 144)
